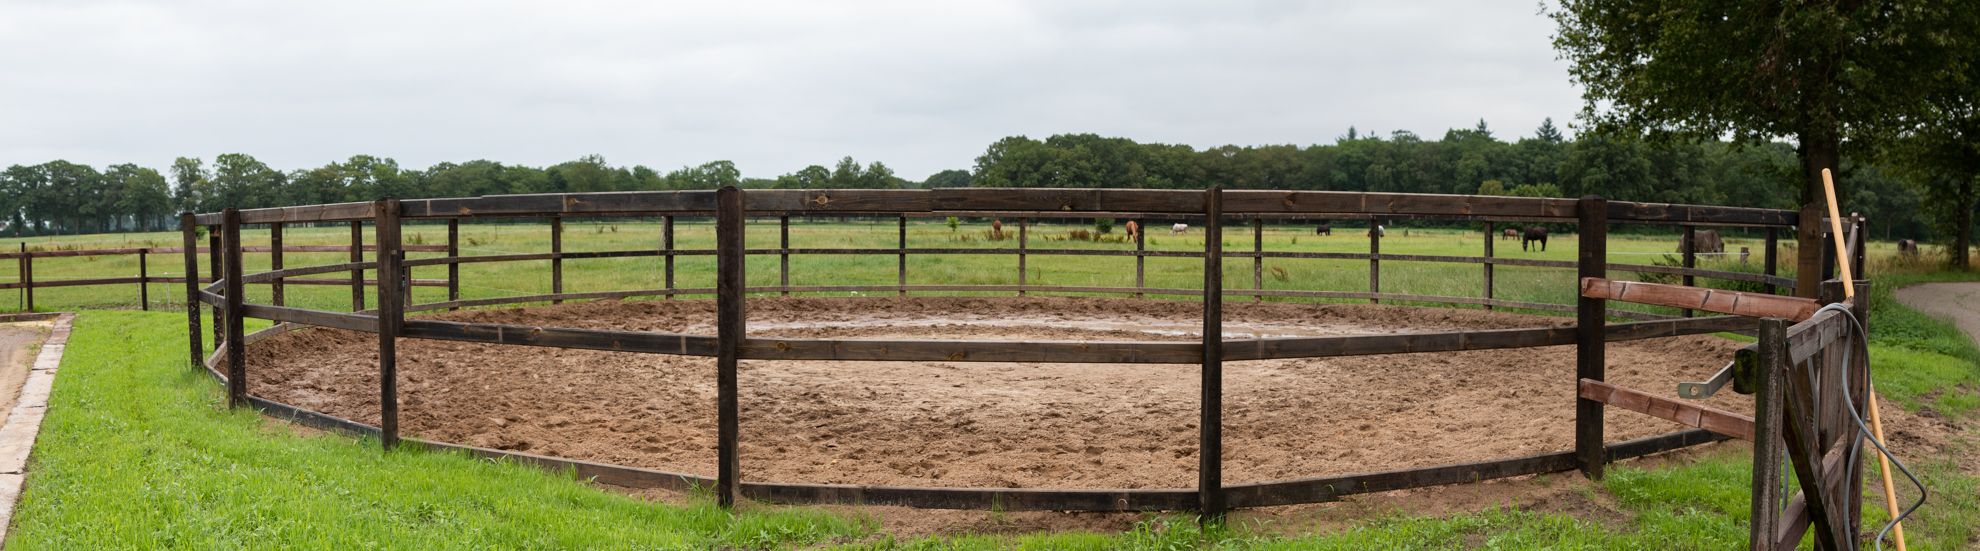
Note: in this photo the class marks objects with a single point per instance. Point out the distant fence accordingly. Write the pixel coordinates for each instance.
(731, 342)
(24, 261)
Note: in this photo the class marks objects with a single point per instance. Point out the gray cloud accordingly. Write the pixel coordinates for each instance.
(772, 85)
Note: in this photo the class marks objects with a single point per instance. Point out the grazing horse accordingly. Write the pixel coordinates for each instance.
(1708, 243)
(1908, 247)
(1325, 228)
(1377, 231)
(1534, 233)
(1133, 229)
(1510, 233)
(1178, 228)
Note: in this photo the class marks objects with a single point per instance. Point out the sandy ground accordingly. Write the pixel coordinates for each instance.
(985, 424)
(17, 347)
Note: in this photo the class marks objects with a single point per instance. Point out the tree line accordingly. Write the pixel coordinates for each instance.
(65, 197)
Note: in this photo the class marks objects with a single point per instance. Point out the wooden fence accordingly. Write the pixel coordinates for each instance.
(732, 342)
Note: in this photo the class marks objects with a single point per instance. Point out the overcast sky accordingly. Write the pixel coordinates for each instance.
(774, 86)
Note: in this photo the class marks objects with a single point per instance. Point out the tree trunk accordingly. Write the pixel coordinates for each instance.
(1818, 151)
(1956, 255)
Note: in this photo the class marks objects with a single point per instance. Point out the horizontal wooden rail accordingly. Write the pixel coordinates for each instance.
(1705, 417)
(972, 351)
(1711, 300)
(181, 250)
(318, 318)
(334, 212)
(263, 277)
(584, 339)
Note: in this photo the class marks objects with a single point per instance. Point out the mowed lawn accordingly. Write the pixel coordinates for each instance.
(499, 279)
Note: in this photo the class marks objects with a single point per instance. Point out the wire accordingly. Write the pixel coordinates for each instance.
(1863, 346)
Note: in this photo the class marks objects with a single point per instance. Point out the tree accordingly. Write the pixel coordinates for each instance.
(948, 178)
(1824, 72)
(139, 194)
(189, 181)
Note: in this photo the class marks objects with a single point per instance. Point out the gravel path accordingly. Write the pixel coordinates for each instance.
(1958, 301)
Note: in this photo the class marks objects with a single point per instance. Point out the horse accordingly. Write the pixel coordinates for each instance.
(1534, 233)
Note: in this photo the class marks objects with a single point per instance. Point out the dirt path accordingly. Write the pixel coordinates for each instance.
(17, 346)
(1957, 301)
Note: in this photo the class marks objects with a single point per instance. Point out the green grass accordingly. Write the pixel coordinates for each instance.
(137, 451)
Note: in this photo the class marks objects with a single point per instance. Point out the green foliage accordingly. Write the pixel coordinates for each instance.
(1103, 225)
(953, 224)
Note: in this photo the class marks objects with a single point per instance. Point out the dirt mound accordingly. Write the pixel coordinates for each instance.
(985, 424)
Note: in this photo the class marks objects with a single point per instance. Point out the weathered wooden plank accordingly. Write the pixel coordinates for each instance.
(557, 337)
(1406, 343)
(1073, 200)
(1325, 489)
(1328, 202)
(1210, 408)
(999, 499)
(188, 235)
(618, 202)
(318, 318)
(1694, 415)
(47, 283)
(1678, 327)
(764, 348)
(1710, 300)
(811, 201)
(1809, 337)
(1636, 212)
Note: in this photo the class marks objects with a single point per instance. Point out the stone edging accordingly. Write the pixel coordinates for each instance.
(24, 424)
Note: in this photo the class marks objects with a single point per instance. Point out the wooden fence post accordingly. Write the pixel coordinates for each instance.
(1210, 445)
(667, 244)
(144, 280)
(1374, 260)
(275, 261)
(453, 268)
(236, 345)
(213, 254)
(1690, 241)
(784, 254)
(27, 275)
(1140, 259)
(1768, 447)
(1772, 258)
(1258, 260)
(1490, 238)
(730, 285)
(190, 239)
(1589, 333)
(556, 258)
(357, 275)
(1024, 226)
(391, 316)
(901, 274)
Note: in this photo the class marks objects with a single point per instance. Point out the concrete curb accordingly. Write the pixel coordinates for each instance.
(24, 424)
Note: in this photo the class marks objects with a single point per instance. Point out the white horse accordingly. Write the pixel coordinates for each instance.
(1178, 228)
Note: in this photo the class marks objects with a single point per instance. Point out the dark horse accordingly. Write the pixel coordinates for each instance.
(1534, 233)
(1325, 228)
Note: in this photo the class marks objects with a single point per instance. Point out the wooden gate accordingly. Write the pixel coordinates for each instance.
(1811, 381)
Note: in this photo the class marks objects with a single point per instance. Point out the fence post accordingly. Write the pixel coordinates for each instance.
(1210, 445)
(1374, 260)
(1024, 226)
(1140, 259)
(1772, 258)
(729, 330)
(1490, 237)
(1768, 448)
(556, 258)
(357, 275)
(453, 268)
(27, 275)
(1258, 260)
(230, 220)
(901, 275)
(1861, 233)
(275, 261)
(667, 244)
(191, 248)
(391, 316)
(1690, 241)
(784, 254)
(144, 280)
(213, 254)
(1589, 333)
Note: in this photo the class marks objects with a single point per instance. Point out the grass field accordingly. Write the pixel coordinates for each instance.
(138, 451)
(487, 280)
